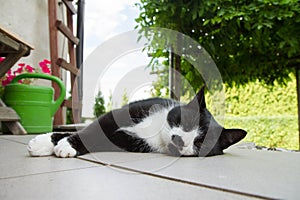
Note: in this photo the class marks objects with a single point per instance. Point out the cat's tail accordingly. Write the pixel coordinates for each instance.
(51, 143)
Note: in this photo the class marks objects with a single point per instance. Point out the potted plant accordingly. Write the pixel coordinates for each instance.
(34, 104)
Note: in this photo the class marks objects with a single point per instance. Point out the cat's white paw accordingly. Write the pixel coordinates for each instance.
(64, 149)
(41, 145)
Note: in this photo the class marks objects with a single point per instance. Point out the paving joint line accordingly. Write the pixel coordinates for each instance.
(181, 181)
(49, 172)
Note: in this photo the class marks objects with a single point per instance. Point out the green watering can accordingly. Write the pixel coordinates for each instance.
(34, 104)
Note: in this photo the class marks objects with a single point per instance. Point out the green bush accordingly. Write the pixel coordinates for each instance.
(281, 131)
(99, 106)
(256, 99)
(268, 114)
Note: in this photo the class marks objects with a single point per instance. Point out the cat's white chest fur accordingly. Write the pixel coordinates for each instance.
(156, 131)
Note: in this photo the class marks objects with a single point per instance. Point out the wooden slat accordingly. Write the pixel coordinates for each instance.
(11, 59)
(67, 32)
(7, 41)
(67, 103)
(70, 6)
(15, 37)
(72, 104)
(55, 69)
(14, 126)
(5, 50)
(8, 114)
(68, 66)
(76, 109)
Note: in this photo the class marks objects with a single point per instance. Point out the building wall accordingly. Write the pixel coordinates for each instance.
(29, 20)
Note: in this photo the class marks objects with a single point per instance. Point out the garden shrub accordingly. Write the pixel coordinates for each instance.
(268, 114)
(278, 131)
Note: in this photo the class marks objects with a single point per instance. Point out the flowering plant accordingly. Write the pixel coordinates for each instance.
(24, 68)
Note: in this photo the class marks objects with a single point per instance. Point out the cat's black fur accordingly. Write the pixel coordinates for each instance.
(115, 130)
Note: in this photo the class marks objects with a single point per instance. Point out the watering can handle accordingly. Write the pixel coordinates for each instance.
(59, 100)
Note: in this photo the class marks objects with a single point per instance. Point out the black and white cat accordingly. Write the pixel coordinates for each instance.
(152, 125)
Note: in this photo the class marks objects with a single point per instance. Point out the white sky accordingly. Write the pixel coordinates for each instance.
(104, 20)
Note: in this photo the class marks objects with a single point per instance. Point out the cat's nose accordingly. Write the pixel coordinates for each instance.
(177, 140)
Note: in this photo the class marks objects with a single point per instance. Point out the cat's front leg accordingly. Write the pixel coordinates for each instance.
(64, 149)
(41, 145)
(51, 143)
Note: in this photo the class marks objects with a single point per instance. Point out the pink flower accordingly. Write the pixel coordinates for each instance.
(44, 66)
(7, 79)
(10, 78)
(29, 68)
(23, 68)
(46, 70)
(47, 61)
(5, 82)
(9, 72)
(19, 70)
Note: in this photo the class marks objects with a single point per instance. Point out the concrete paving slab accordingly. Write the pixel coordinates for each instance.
(239, 171)
(109, 158)
(103, 183)
(23, 139)
(15, 161)
(253, 172)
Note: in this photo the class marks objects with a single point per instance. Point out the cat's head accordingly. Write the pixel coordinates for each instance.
(195, 132)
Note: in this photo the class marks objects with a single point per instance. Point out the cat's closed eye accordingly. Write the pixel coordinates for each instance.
(174, 117)
(182, 118)
(198, 141)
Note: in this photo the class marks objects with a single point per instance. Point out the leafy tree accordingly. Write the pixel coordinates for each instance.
(109, 105)
(248, 40)
(125, 98)
(99, 106)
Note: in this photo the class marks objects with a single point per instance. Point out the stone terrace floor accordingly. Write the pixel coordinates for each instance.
(238, 174)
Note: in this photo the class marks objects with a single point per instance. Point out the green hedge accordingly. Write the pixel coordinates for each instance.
(269, 114)
(255, 99)
(279, 131)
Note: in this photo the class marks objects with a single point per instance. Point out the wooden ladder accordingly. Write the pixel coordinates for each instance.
(57, 63)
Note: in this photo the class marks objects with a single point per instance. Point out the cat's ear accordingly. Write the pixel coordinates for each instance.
(198, 102)
(231, 136)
